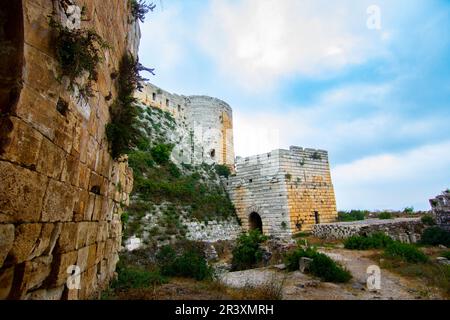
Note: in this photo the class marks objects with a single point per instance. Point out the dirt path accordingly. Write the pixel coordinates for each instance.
(298, 286)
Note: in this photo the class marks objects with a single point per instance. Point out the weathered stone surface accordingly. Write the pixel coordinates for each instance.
(28, 188)
(6, 240)
(54, 161)
(51, 159)
(441, 210)
(58, 202)
(284, 191)
(402, 229)
(24, 144)
(6, 282)
(26, 238)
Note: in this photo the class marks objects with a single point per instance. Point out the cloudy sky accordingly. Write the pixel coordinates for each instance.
(320, 74)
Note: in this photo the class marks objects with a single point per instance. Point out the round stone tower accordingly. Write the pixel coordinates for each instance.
(212, 122)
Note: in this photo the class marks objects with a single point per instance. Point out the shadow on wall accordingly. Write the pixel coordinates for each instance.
(11, 63)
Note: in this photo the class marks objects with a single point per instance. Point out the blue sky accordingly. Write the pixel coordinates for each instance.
(312, 74)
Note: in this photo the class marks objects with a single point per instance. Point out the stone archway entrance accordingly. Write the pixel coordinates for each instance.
(255, 222)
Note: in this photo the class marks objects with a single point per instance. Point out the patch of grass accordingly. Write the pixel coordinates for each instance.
(446, 255)
(322, 266)
(435, 236)
(406, 252)
(430, 273)
(247, 253)
(374, 241)
(385, 215)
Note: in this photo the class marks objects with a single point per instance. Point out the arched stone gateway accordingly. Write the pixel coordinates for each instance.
(255, 222)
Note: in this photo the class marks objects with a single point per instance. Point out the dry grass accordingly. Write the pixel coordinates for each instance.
(431, 273)
(187, 289)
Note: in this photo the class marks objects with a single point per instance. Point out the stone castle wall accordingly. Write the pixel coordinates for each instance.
(441, 210)
(285, 188)
(61, 193)
(209, 120)
(406, 230)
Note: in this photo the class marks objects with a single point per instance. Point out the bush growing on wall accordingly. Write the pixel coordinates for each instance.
(223, 170)
(78, 52)
(161, 153)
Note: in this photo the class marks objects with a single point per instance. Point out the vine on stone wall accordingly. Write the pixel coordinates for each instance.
(139, 8)
(78, 52)
(122, 131)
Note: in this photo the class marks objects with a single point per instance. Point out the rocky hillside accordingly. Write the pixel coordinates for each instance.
(173, 199)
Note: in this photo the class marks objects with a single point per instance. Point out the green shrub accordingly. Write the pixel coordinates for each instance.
(409, 210)
(435, 236)
(354, 215)
(322, 266)
(446, 255)
(161, 153)
(222, 170)
(136, 278)
(190, 264)
(385, 215)
(428, 220)
(139, 8)
(125, 217)
(374, 241)
(78, 52)
(122, 132)
(405, 252)
(247, 252)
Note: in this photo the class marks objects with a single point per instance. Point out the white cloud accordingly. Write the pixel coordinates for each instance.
(394, 181)
(259, 42)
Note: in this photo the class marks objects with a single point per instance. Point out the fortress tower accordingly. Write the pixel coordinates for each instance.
(209, 120)
(283, 192)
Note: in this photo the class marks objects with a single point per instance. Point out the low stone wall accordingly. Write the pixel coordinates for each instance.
(404, 229)
(213, 231)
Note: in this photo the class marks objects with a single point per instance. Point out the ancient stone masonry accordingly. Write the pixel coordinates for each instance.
(61, 193)
(283, 192)
(209, 123)
(441, 209)
(407, 230)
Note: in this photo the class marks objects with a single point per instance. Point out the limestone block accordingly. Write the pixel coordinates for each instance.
(82, 234)
(81, 205)
(82, 258)
(68, 239)
(37, 271)
(58, 203)
(91, 233)
(6, 241)
(47, 294)
(24, 144)
(71, 171)
(41, 72)
(92, 256)
(26, 237)
(37, 111)
(62, 263)
(51, 159)
(6, 282)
